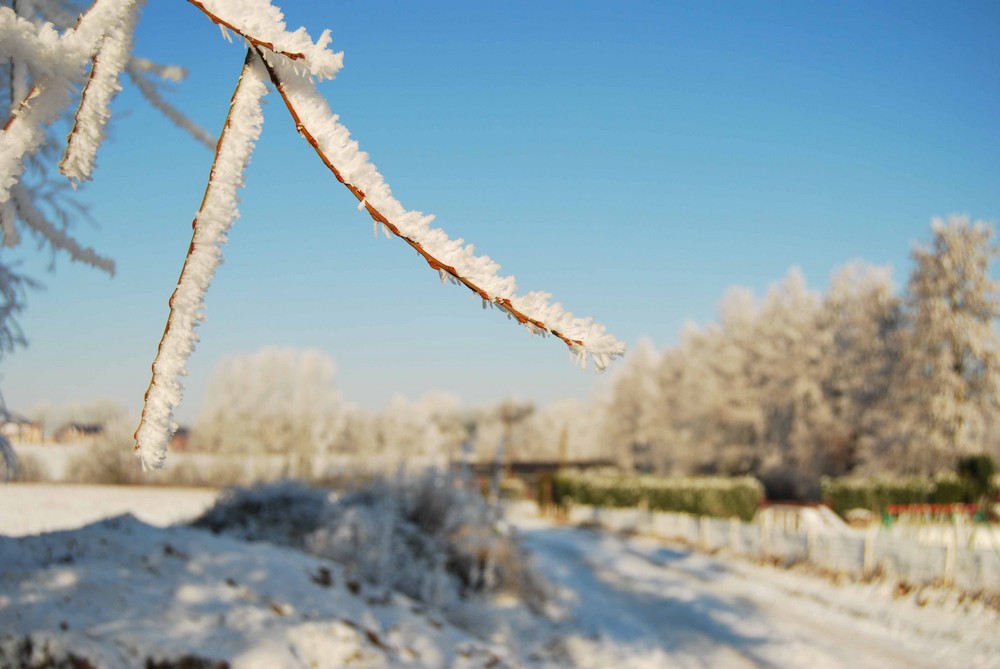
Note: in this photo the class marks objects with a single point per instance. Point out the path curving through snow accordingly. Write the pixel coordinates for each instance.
(637, 603)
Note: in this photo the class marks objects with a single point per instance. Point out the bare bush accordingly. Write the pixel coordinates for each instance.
(31, 469)
(108, 460)
(425, 536)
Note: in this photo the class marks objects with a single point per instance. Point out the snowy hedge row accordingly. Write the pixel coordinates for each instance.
(877, 494)
(703, 496)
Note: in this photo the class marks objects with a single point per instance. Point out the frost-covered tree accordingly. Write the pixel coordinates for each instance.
(786, 372)
(946, 392)
(565, 429)
(428, 430)
(94, 52)
(733, 416)
(862, 315)
(277, 400)
(784, 390)
(630, 407)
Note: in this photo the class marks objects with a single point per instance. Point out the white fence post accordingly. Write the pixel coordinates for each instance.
(951, 558)
(765, 535)
(868, 566)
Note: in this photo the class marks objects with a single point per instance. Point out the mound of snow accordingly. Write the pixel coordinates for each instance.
(121, 593)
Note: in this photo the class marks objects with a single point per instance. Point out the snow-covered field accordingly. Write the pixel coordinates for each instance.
(30, 508)
(123, 591)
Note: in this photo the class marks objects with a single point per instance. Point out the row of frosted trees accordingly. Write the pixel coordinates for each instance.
(285, 401)
(797, 385)
(789, 388)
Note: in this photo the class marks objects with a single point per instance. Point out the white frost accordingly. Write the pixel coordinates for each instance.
(264, 23)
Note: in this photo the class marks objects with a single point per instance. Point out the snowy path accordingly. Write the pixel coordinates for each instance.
(636, 603)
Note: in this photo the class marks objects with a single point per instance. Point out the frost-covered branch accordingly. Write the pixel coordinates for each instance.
(453, 259)
(56, 238)
(286, 55)
(56, 62)
(139, 71)
(263, 25)
(12, 289)
(95, 101)
(138, 68)
(19, 86)
(217, 213)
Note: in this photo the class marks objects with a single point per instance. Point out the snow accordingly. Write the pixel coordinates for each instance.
(122, 590)
(34, 508)
(639, 603)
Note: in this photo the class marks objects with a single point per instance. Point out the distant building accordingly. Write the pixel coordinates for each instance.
(179, 440)
(20, 430)
(76, 432)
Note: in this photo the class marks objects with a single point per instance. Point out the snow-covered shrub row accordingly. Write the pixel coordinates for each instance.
(720, 497)
(426, 536)
(877, 494)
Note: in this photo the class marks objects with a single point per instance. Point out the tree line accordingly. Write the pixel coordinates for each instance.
(797, 385)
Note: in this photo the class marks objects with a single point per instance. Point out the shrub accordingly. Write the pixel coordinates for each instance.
(424, 536)
(979, 474)
(705, 496)
(877, 494)
(109, 460)
(282, 512)
(948, 488)
(32, 469)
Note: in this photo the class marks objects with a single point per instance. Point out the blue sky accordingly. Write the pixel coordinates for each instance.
(635, 159)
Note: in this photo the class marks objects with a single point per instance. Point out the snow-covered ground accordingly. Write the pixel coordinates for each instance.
(635, 602)
(122, 591)
(32, 508)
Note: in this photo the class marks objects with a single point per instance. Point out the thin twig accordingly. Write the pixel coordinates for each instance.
(376, 215)
(71, 138)
(33, 93)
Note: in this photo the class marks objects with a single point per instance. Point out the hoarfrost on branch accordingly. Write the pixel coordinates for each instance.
(93, 54)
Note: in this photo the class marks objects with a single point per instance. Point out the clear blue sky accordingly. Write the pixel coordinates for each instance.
(636, 159)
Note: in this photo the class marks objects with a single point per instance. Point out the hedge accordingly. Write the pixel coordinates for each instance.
(716, 496)
(877, 494)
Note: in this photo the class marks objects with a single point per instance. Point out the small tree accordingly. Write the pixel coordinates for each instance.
(93, 54)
